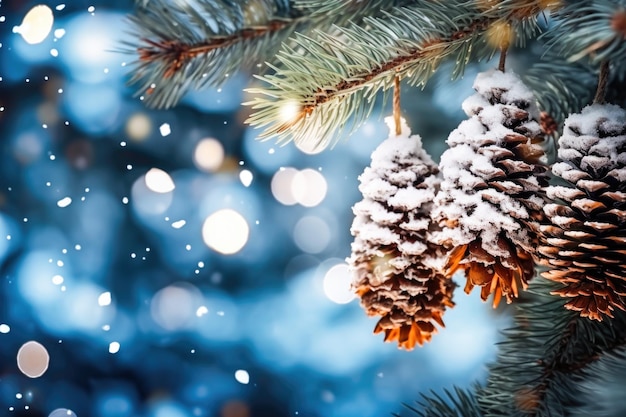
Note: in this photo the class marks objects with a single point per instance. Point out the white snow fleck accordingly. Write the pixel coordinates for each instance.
(60, 7)
(57, 280)
(64, 202)
(104, 299)
(201, 311)
(178, 224)
(4, 328)
(54, 52)
(246, 177)
(114, 347)
(165, 129)
(242, 376)
(59, 33)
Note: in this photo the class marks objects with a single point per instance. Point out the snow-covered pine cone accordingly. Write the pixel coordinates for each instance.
(489, 204)
(583, 240)
(395, 268)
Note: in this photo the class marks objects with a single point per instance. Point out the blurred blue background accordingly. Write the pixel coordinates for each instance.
(168, 264)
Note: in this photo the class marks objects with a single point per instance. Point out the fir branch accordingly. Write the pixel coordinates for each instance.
(185, 45)
(355, 10)
(561, 88)
(328, 80)
(595, 30)
(461, 403)
(602, 387)
(541, 357)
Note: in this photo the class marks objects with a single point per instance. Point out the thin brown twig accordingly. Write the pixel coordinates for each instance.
(396, 105)
(322, 95)
(503, 51)
(176, 54)
(603, 80)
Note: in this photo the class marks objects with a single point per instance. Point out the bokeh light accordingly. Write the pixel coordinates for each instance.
(146, 201)
(33, 359)
(208, 155)
(338, 284)
(309, 187)
(173, 307)
(311, 234)
(225, 231)
(62, 412)
(138, 127)
(281, 186)
(36, 24)
(159, 181)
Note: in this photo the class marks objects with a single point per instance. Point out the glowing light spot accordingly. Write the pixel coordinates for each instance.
(4, 328)
(201, 311)
(104, 299)
(338, 284)
(172, 307)
(33, 359)
(311, 146)
(242, 376)
(159, 181)
(62, 412)
(59, 33)
(225, 231)
(209, 155)
(178, 224)
(311, 234)
(309, 187)
(165, 129)
(281, 186)
(36, 24)
(289, 112)
(114, 347)
(57, 280)
(64, 202)
(55, 53)
(246, 177)
(138, 127)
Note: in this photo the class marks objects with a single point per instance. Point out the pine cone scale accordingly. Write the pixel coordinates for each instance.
(584, 239)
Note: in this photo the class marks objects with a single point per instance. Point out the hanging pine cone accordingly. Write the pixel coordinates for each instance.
(488, 205)
(396, 269)
(584, 238)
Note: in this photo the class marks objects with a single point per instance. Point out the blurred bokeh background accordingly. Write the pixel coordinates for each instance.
(168, 264)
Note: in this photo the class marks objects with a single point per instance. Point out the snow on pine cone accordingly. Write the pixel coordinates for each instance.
(583, 240)
(395, 268)
(489, 203)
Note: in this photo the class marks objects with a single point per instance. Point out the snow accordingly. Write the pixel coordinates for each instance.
(595, 135)
(397, 187)
(465, 200)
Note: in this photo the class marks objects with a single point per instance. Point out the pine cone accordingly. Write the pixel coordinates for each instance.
(584, 237)
(396, 268)
(489, 204)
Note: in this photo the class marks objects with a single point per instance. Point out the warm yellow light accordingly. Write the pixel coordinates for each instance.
(209, 155)
(500, 34)
(138, 126)
(159, 181)
(36, 24)
(289, 111)
(225, 231)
